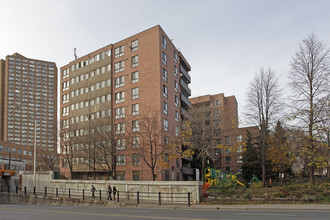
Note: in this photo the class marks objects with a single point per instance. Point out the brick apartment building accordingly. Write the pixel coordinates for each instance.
(224, 119)
(28, 109)
(109, 91)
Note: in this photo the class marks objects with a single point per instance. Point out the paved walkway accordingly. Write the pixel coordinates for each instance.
(324, 207)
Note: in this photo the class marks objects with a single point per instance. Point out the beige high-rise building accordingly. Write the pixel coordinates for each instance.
(28, 107)
(109, 96)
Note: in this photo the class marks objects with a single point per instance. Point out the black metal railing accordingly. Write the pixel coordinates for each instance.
(136, 197)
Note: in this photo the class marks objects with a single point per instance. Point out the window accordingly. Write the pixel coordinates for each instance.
(65, 111)
(65, 86)
(165, 74)
(228, 160)
(135, 45)
(120, 144)
(166, 140)
(135, 93)
(164, 41)
(135, 126)
(7, 149)
(135, 61)
(176, 116)
(176, 101)
(165, 91)
(239, 138)
(166, 158)
(176, 86)
(65, 73)
(216, 103)
(165, 108)
(135, 109)
(239, 149)
(120, 128)
(1, 148)
(216, 113)
(120, 112)
(136, 159)
(119, 51)
(165, 125)
(216, 123)
(136, 142)
(164, 58)
(119, 81)
(135, 77)
(119, 66)
(119, 97)
(175, 57)
(177, 131)
(65, 98)
(120, 160)
(136, 175)
(227, 140)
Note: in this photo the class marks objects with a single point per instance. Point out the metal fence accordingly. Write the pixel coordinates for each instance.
(102, 195)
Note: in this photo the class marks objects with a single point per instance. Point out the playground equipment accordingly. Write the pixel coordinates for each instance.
(214, 176)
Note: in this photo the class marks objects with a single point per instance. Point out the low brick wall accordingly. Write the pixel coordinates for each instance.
(172, 191)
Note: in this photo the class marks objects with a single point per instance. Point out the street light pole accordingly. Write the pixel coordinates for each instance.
(35, 152)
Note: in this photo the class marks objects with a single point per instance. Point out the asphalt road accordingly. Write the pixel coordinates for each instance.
(45, 212)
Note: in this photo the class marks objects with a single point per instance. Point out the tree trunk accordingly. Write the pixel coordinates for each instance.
(264, 165)
(311, 175)
(153, 174)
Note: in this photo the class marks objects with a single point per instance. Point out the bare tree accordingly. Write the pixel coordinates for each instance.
(150, 135)
(67, 150)
(309, 81)
(263, 106)
(101, 146)
(199, 135)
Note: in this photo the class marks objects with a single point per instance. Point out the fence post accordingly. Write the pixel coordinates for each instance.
(8, 189)
(34, 190)
(138, 197)
(16, 189)
(24, 190)
(45, 191)
(69, 193)
(159, 198)
(117, 196)
(83, 194)
(56, 192)
(189, 199)
(100, 195)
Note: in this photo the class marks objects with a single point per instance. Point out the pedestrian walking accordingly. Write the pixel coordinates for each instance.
(109, 193)
(114, 192)
(93, 190)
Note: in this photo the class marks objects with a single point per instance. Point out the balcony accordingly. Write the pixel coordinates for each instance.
(185, 86)
(184, 113)
(185, 100)
(185, 73)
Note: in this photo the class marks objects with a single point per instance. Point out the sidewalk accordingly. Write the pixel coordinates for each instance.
(309, 207)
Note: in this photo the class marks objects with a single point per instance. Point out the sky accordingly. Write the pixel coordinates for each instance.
(225, 41)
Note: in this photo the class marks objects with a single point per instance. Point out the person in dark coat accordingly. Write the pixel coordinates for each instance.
(109, 193)
(114, 193)
(93, 190)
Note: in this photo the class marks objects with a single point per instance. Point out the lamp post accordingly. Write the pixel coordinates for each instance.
(35, 152)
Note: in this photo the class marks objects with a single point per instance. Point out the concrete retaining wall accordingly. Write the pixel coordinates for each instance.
(150, 188)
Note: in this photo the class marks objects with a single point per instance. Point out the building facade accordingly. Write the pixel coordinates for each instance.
(109, 96)
(224, 119)
(28, 108)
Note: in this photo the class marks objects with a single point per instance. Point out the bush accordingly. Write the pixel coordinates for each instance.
(247, 195)
(309, 198)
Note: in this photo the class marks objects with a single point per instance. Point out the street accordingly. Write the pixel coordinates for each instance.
(42, 212)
